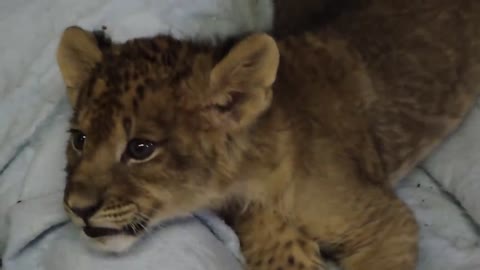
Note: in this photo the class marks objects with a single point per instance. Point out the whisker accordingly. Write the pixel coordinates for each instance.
(141, 221)
(144, 227)
(131, 225)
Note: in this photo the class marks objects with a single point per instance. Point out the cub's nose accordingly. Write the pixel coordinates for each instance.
(82, 202)
(86, 212)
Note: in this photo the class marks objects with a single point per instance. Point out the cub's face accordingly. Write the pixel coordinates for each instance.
(158, 129)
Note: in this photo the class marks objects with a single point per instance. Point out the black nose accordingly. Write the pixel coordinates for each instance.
(87, 212)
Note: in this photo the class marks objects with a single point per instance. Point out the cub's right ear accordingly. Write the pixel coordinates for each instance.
(77, 55)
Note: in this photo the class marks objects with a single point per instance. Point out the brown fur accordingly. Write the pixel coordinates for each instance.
(311, 131)
(293, 17)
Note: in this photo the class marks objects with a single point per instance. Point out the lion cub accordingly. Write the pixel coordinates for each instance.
(309, 131)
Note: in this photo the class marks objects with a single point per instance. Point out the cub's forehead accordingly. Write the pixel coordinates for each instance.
(150, 59)
(102, 107)
(139, 81)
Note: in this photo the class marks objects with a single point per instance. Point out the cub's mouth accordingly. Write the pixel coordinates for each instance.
(97, 232)
(110, 240)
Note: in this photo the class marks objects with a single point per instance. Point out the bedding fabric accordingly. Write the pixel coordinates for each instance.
(34, 233)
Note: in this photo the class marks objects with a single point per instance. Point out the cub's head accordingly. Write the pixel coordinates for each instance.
(159, 127)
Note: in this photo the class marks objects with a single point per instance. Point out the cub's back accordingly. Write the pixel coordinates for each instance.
(424, 60)
(397, 76)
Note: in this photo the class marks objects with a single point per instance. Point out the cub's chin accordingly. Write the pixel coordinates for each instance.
(110, 240)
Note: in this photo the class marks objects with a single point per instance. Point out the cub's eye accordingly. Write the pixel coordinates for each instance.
(140, 149)
(77, 139)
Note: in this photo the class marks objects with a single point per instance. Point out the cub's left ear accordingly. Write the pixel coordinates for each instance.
(241, 83)
(77, 55)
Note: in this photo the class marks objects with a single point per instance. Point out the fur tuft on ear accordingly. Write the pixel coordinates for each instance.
(77, 55)
(241, 83)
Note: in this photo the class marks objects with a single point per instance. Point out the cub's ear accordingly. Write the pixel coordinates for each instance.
(77, 55)
(241, 83)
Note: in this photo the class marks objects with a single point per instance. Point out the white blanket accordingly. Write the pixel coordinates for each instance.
(33, 121)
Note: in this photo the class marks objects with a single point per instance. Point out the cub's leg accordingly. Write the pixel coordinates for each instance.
(269, 242)
(389, 243)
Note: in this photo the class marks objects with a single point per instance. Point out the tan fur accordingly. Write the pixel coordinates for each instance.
(309, 131)
(78, 43)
